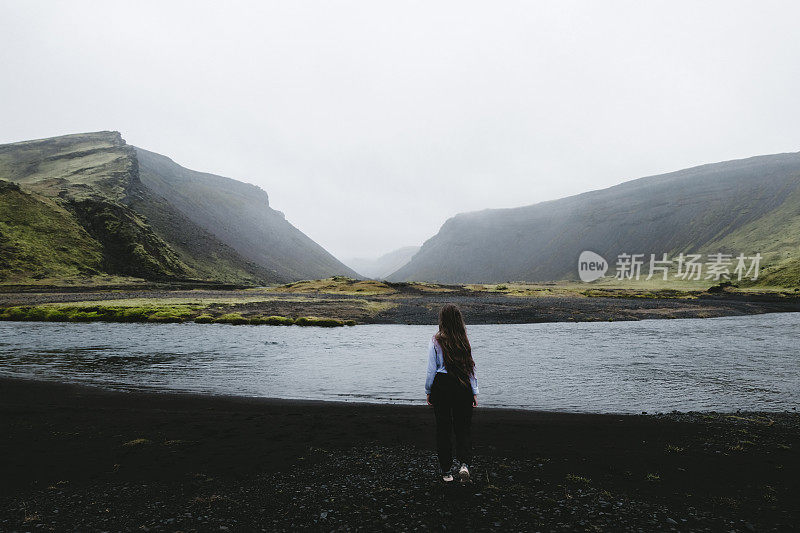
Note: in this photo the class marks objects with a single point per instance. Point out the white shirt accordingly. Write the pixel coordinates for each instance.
(436, 364)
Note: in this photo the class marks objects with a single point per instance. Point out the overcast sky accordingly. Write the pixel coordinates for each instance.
(370, 123)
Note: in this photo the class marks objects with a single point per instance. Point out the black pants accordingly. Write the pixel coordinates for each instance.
(452, 405)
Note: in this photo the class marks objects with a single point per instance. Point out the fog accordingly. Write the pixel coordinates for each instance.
(370, 123)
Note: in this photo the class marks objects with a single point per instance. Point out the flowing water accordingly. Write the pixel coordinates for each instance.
(725, 364)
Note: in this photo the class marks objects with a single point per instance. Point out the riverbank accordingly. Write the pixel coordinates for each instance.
(344, 301)
(83, 458)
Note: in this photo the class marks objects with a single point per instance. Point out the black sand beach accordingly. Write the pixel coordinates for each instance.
(80, 458)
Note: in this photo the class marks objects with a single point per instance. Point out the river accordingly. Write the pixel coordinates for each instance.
(723, 364)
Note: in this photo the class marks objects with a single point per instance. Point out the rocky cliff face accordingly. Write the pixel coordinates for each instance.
(175, 224)
(239, 215)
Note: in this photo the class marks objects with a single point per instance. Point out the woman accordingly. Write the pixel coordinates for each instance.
(452, 390)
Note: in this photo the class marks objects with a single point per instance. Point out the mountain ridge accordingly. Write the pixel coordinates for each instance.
(686, 210)
(144, 233)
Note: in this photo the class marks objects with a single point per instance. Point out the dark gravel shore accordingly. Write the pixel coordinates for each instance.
(85, 459)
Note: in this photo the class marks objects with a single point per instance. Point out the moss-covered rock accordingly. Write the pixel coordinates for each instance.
(316, 321)
(272, 320)
(231, 318)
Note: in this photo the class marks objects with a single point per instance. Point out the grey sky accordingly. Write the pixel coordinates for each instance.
(370, 123)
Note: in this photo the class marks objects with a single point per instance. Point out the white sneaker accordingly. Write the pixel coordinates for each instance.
(447, 477)
(463, 473)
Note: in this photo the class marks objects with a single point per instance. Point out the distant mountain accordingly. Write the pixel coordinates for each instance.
(743, 206)
(384, 265)
(89, 204)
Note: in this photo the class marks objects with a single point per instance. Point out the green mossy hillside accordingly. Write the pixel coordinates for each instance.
(130, 247)
(40, 239)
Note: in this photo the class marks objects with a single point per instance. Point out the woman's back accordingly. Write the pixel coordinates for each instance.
(452, 389)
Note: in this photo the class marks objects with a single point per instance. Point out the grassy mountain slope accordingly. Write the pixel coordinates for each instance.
(776, 236)
(97, 164)
(89, 186)
(735, 206)
(89, 176)
(41, 240)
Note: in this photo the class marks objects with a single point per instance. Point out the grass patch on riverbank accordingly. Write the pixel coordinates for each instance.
(607, 287)
(355, 287)
(638, 293)
(336, 285)
(423, 286)
(527, 290)
(154, 314)
(89, 313)
(656, 289)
